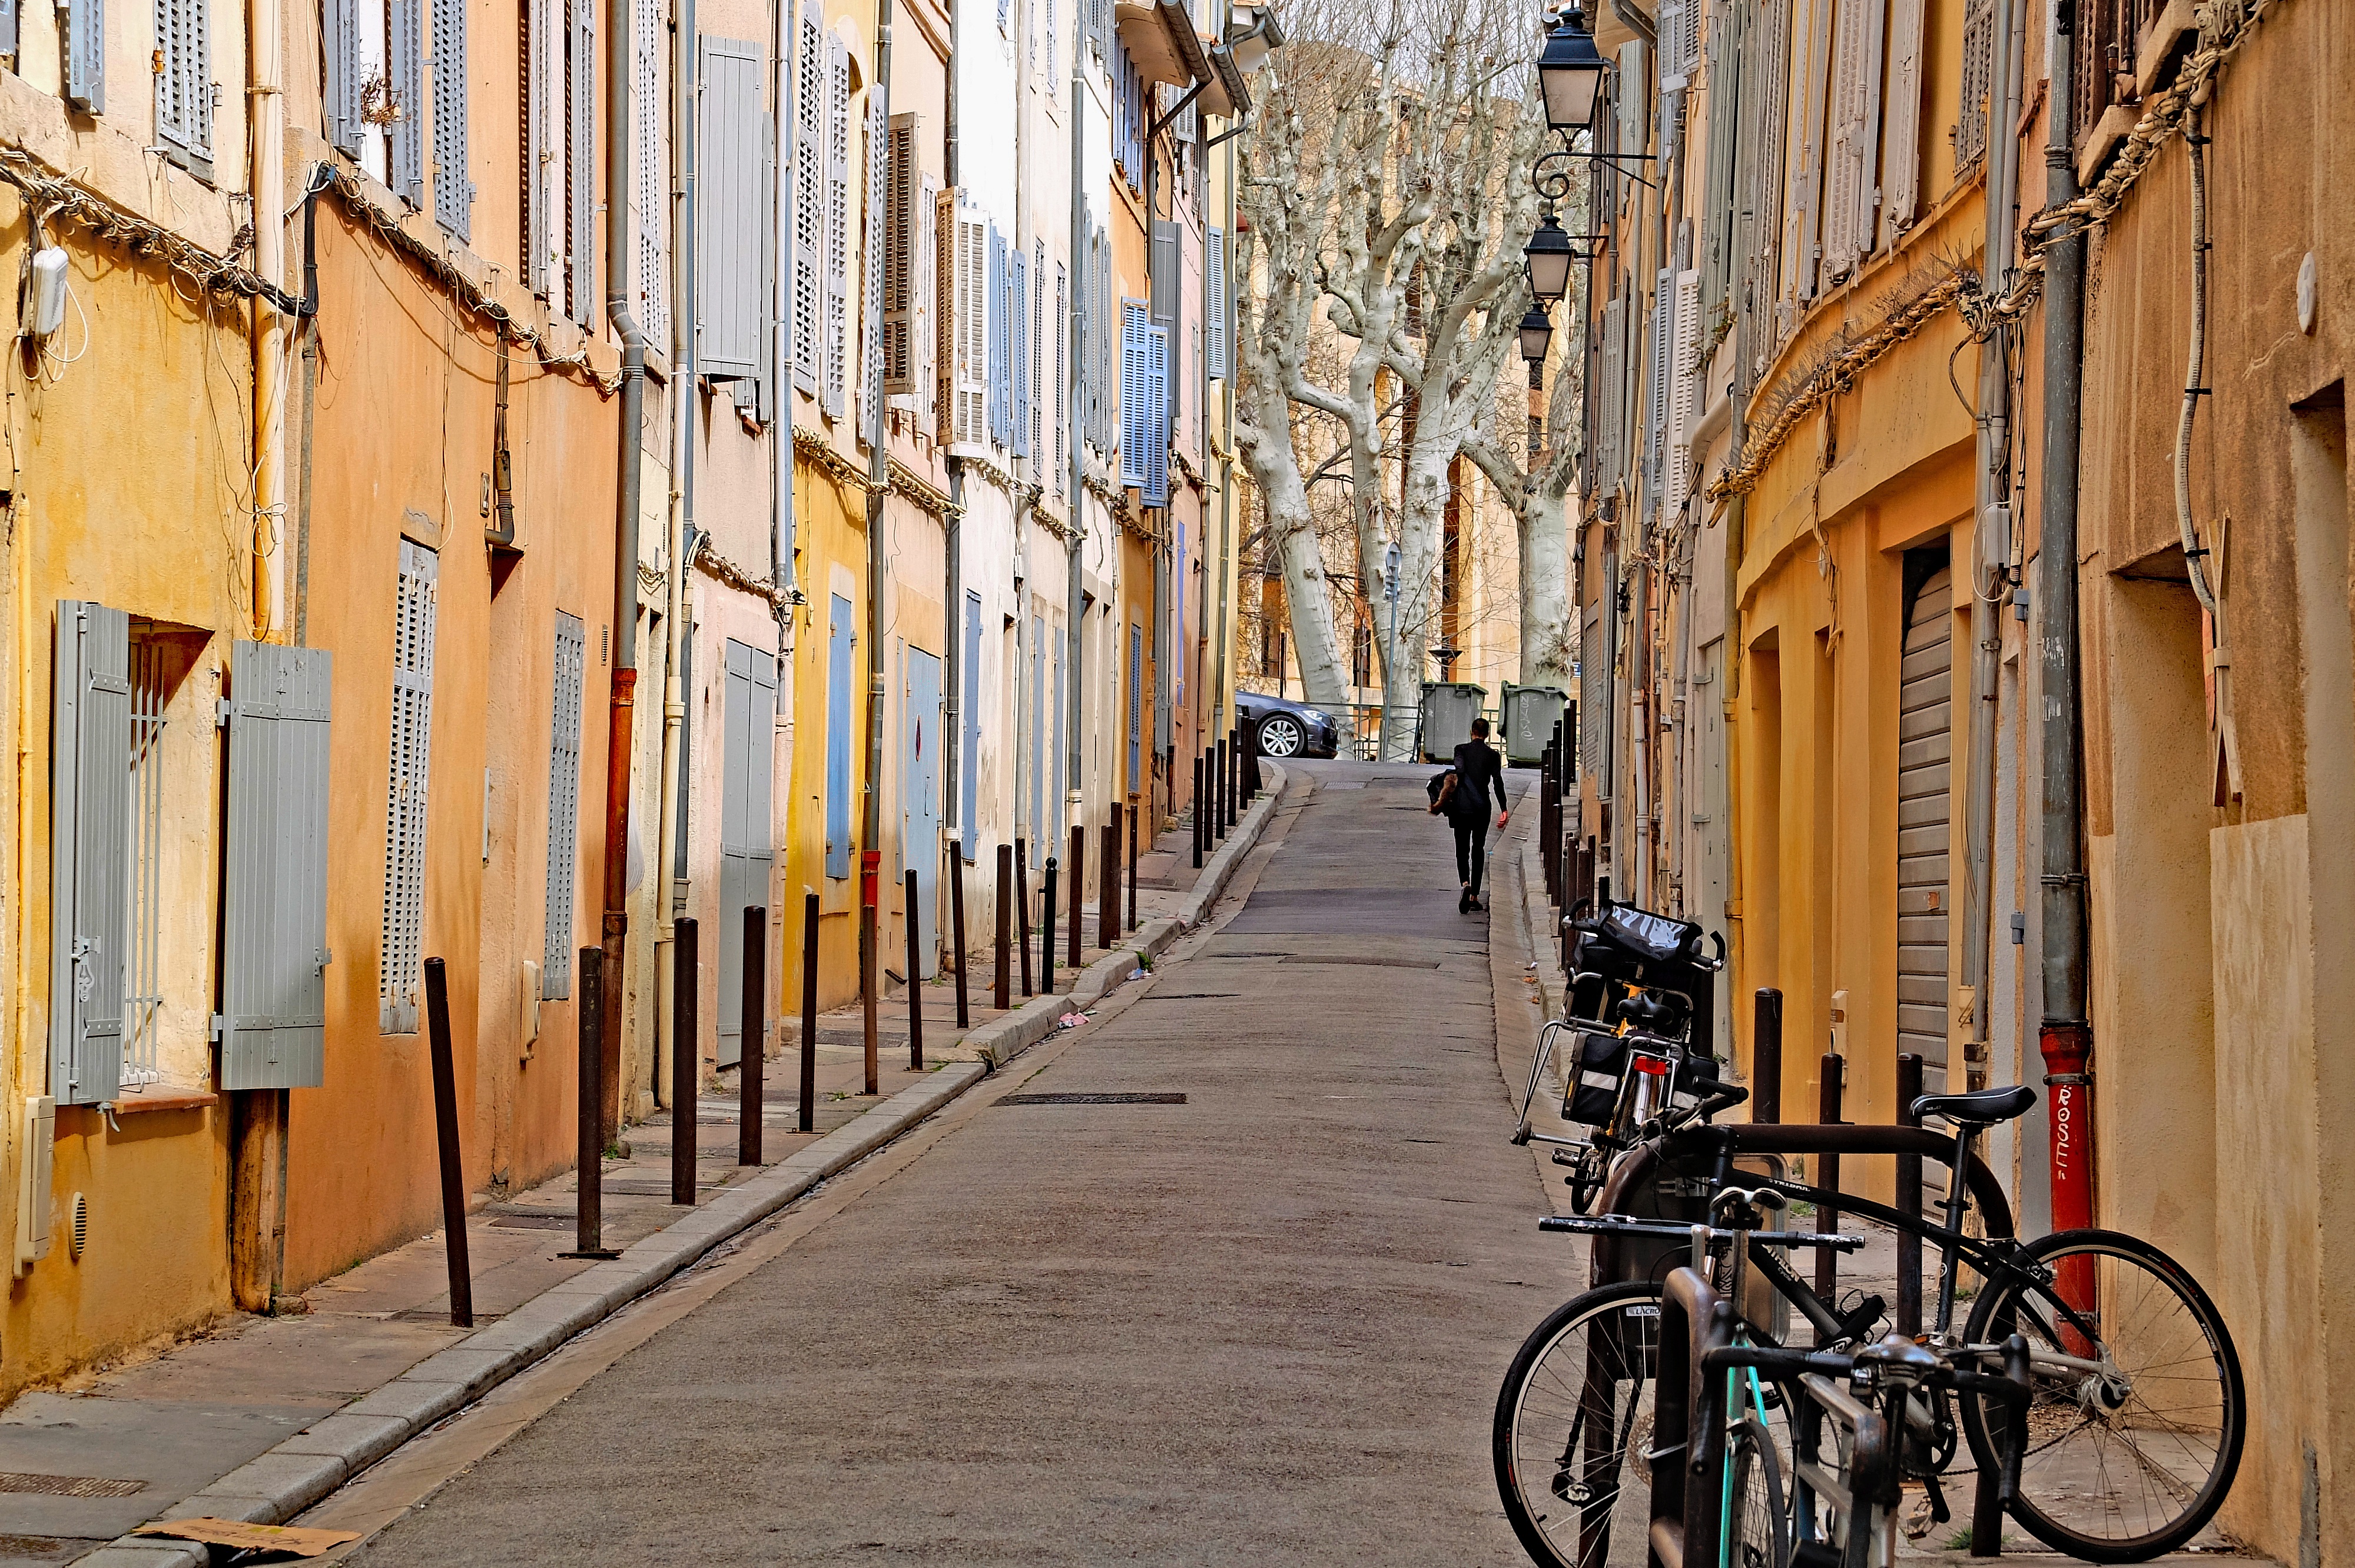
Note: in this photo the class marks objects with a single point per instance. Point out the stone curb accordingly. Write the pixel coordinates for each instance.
(297, 1473)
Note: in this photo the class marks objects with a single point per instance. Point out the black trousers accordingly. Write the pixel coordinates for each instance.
(1471, 850)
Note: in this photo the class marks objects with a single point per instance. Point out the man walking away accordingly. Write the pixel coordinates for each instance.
(1478, 770)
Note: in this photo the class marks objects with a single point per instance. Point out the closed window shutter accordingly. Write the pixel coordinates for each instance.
(563, 805)
(748, 722)
(84, 40)
(1656, 377)
(925, 304)
(1607, 435)
(1724, 107)
(756, 395)
(1682, 385)
(972, 365)
(836, 386)
(1901, 147)
(842, 644)
(1156, 417)
(453, 193)
(1970, 133)
(1135, 392)
(342, 48)
(580, 182)
(1018, 316)
(89, 871)
(1054, 39)
(1765, 177)
(969, 758)
(1061, 372)
(407, 44)
(899, 262)
(537, 188)
(1136, 701)
(1108, 346)
(274, 884)
(183, 86)
(728, 212)
(409, 774)
(1214, 300)
(1844, 168)
(1634, 132)
(652, 197)
(1038, 307)
(994, 304)
(871, 266)
(809, 199)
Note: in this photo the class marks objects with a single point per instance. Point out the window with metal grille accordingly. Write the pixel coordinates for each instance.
(563, 804)
(184, 80)
(408, 772)
(142, 1004)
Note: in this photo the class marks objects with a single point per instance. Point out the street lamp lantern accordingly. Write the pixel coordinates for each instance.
(1537, 333)
(1570, 73)
(1548, 254)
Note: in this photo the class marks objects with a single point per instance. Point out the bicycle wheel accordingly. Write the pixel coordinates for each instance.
(2126, 1462)
(1572, 1420)
(1758, 1526)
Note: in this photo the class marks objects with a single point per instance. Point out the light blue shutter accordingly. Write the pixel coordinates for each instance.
(563, 806)
(841, 644)
(1039, 762)
(1156, 417)
(749, 719)
(729, 212)
(90, 874)
(409, 773)
(1135, 392)
(996, 292)
(1018, 316)
(1062, 373)
(755, 394)
(85, 62)
(406, 46)
(274, 893)
(183, 86)
(970, 759)
(1135, 703)
(453, 193)
(1214, 309)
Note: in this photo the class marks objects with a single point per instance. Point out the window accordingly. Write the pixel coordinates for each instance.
(1061, 373)
(1134, 391)
(143, 979)
(969, 755)
(454, 192)
(648, 38)
(730, 208)
(749, 720)
(563, 805)
(89, 816)
(1135, 704)
(835, 386)
(842, 646)
(184, 80)
(809, 198)
(1214, 303)
(405, 90)
(408, 774)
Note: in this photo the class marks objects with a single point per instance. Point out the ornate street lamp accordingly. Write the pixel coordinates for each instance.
(1537, 335)
(1570, 73)
(1549, 255)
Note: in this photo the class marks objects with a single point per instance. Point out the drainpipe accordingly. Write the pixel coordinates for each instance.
(2066, 1037)
(878, 475)
(781, 336)
(1989, 571)
(618, 741)
(1226, 482)
(952, 551)
(671, 812)
(1074, 592)
(268, 185)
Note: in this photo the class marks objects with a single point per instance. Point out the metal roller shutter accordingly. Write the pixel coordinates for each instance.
(1924, 809)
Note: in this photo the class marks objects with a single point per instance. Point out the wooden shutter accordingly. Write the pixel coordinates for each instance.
(183, 83)
(454, 192)
(1657, 374)
(1135, 391)
(1970, 133)
(1900, 147)
(407, 776)
(756, 395)
(965, 319)
(1214, 300)
(407, 47)
(341, 46)
(90, 872)
(1615, 333)
(841, 649)
(563, 806)
(1595, 697)
(1924, 817)
(1634, 132)
(275, 885)
(901, 323)
(1038, 396)
(871, 262)
(1683, 384)
(749, 728)
(729, 213)
(1669, 31)
(1157, 417)
(834, 388)
(581, 173)
(809, 199)
(1719, 185)
(1807, 177)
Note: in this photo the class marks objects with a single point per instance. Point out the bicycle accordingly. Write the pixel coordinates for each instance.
(2138, 1390)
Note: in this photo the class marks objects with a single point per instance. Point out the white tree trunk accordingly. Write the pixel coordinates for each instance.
(1544, 519)
(1307, 597)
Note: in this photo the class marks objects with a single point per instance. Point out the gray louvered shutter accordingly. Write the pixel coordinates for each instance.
(580, 164)
(85, 52)
(1900, 148)
(997, 326)
(1214, 300)
(1606, 439)
(1039, 394)
(729, 213)
(183, 84)
(90, 872)
(756, 395)
(1655, 380)
(871, 261)
(409, 773)
(407, 44)
(809, 198)
(1595, 700)
(1108, 346)
(1134, 391)
(453, 193)
(563, 805)
(835, 386)
(649, 51)
(1724, 105)
(540, 74)
(274, 893)
(1157, 417)
(1017, 318)
(1061, 376)
(747, 716)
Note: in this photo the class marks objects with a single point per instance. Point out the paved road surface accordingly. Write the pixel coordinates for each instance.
(1264, 1326)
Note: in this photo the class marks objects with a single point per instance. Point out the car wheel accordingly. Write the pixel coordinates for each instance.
(1278, 735)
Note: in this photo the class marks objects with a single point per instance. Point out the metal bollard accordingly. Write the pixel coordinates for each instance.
(915, 979)
(1108, 886)
(686, 1063)
(1827, 1177)
(589, 1151)
(1046, 935)
(1766, 1056)
(1231, 788)
(752, 1037)
(1201, 809)
(1135, 830)
(1217, 791)
(1002, 998)
(445, 1136)
(1908, 1200)
(956, 921)
(1078, 875)
(808, 1118)
(1022, 907)
(870, 965)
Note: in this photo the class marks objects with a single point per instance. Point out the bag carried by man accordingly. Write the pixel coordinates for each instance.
(1442, 789)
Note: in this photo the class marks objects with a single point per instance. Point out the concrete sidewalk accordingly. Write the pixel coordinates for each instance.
(261, 1418)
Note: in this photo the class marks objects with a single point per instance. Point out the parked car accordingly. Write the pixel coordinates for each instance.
(1287, 728)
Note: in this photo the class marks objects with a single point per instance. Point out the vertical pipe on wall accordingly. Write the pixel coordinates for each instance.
(1075, 540)
(670, 811)
(267, 104)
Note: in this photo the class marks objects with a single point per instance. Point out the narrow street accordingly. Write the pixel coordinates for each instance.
(1256, 1313)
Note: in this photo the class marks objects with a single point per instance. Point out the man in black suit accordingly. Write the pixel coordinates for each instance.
(1478, 770)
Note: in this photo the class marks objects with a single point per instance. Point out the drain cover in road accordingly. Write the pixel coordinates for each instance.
(1152, 1099)
(69, 1485)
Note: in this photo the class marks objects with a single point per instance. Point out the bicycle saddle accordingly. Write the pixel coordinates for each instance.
(1981, 1108)
(1899, 1356)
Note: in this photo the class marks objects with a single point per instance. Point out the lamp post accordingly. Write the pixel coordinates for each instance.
(1389, 639)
